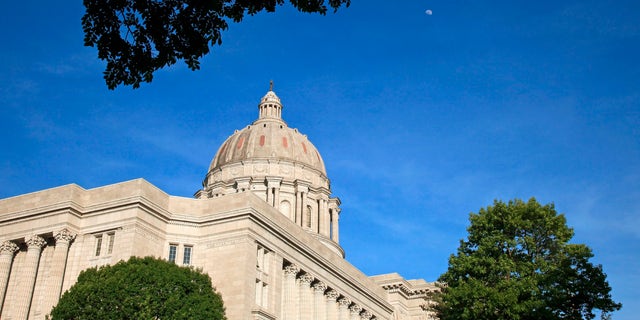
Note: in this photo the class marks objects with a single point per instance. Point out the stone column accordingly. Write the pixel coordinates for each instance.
(320, 303)
(29, 273)
(58, 266)
(306, 296)
(324, 218)
(297, 210)
(343, 306)
(290, 294)
(332, 305)
(365, 315)
(354, 311)
(335, 232)
(7, 251)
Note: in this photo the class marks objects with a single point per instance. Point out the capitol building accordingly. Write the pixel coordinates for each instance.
(264, 226)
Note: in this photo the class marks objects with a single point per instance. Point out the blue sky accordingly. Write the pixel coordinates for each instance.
(421, 119)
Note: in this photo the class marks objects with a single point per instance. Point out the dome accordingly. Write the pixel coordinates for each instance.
(281, 166)
(270, 138)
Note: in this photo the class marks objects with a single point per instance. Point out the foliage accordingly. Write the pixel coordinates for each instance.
(517, 264)
(141, 288)
(138, 37)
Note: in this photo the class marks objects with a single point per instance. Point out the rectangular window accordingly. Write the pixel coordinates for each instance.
(111, 237)
(186, 259)
(98, 244)
(173, 249)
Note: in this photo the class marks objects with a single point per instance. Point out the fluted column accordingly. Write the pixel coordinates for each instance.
(306, 296)
(354, 311)
(7, 251)
(29, 273)
(320, 303)
(343, 306)
(58, 266)
(290, 294)
(332, 305)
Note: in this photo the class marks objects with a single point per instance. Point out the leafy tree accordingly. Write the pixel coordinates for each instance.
(517, 263)
(141, 288)
(138, 37)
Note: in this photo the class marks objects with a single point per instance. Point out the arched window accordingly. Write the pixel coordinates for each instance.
(308, 216)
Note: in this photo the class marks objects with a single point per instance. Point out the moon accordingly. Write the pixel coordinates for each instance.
(429, 12)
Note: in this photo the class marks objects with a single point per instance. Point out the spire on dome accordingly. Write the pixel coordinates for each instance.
(270, 106)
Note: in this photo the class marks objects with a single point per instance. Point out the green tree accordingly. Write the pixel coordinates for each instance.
(141, 288)
(517, 263)
(138, 37)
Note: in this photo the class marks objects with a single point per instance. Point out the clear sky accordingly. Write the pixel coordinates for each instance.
(421, 119)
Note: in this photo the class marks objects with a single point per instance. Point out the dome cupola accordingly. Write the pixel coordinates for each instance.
(280, 165)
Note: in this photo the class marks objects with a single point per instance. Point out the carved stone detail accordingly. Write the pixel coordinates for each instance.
(64, 235)
(344, 302)
(319, 286)
(306, 279)
(35, 241)
(291, 269)
(366, 315)
(332, 294)
(355, 308)
(8, 247)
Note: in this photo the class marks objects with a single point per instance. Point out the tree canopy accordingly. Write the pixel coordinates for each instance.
(517, 263)
(138, 37)
(140, 288)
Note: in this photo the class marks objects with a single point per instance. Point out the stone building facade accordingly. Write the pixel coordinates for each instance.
(264, 226)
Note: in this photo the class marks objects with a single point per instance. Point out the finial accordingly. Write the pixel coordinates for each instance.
(270, 85)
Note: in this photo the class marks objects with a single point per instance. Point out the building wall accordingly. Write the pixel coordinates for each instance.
(263, 264)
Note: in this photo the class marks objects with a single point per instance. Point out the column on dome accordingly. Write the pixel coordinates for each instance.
(314, 217)
(273, 191)
(306, 296)
(320, 303)
(334, 211)
(29, 273)
(354, 311)
(58, 266)
(301, 203)
(324, 219)
(7, 252)
(290, 293)
(343, 308)
(332, 304)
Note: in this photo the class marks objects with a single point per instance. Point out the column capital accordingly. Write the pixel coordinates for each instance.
(34, 241)
(332, 295)
(344, 302)
(355, 309)
(8, 247)
(291, 269)
(366, 315)
(64, 235)
(306, 279)
(319, 286)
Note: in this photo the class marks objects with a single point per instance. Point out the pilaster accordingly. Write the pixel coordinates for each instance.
(7, 252)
